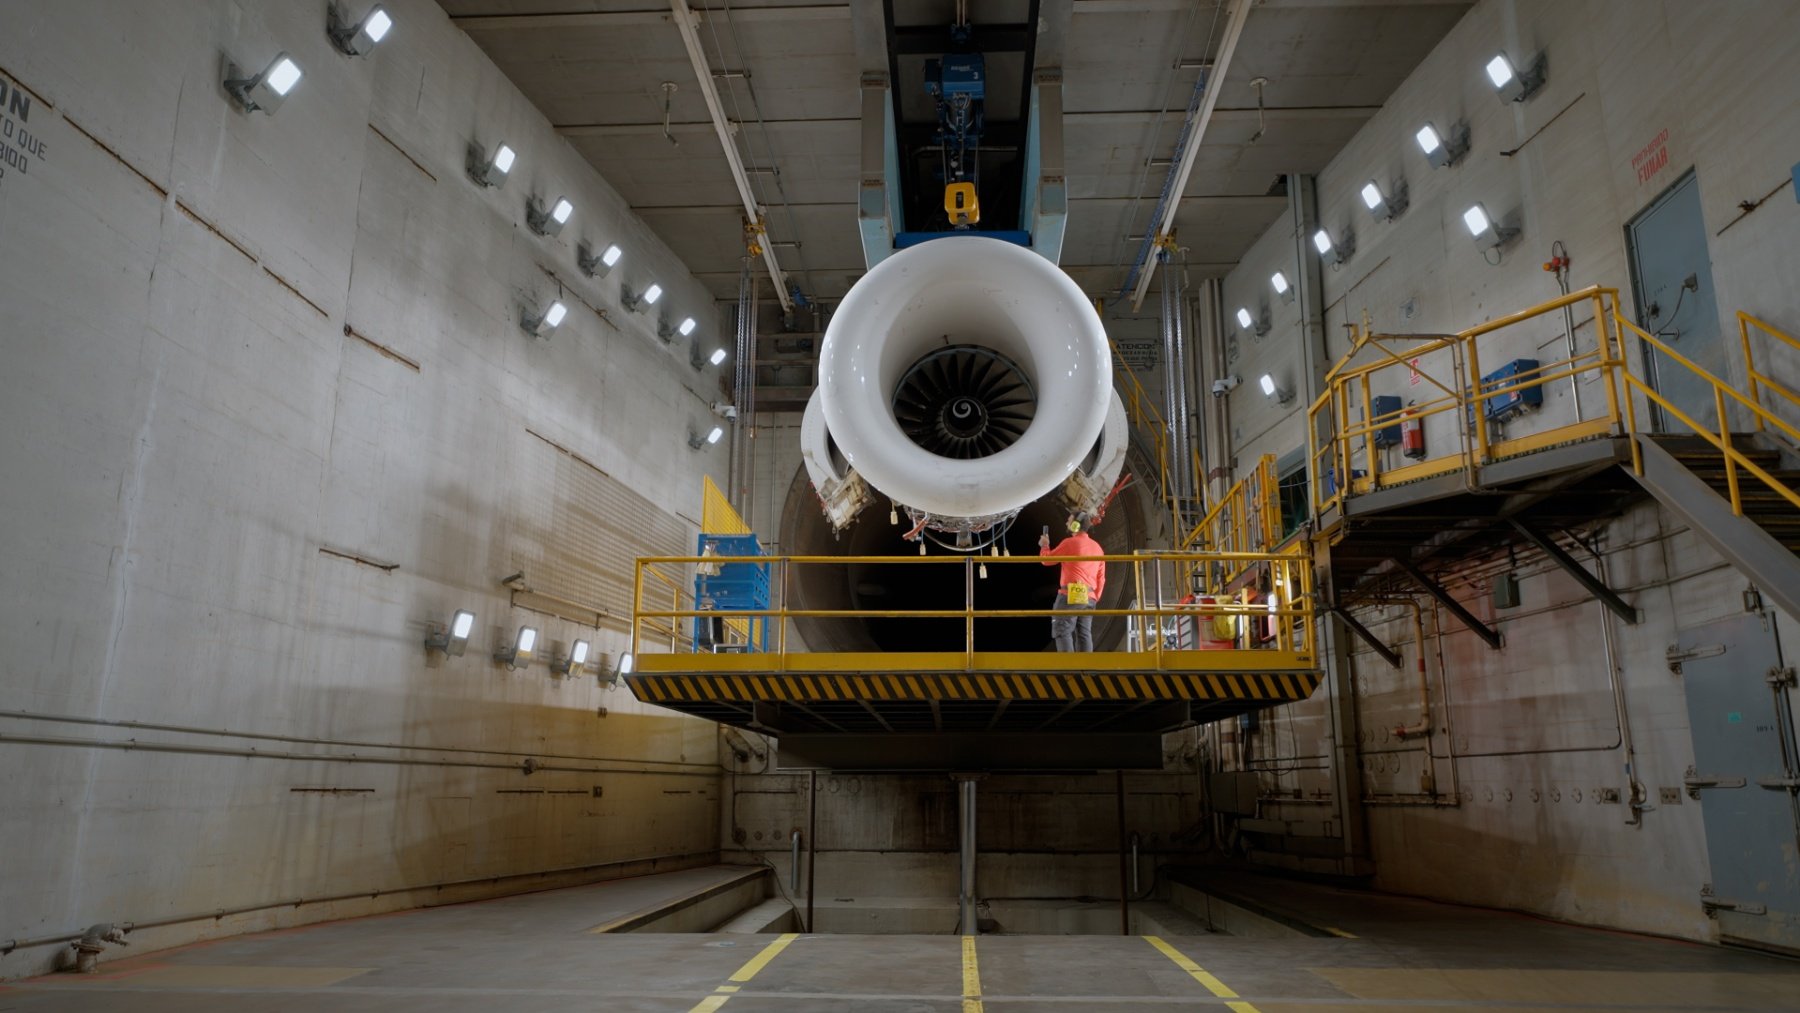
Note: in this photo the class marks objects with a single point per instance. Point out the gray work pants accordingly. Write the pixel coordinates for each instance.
(1073, 632)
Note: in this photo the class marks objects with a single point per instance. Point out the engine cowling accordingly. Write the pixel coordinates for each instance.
(964, 378)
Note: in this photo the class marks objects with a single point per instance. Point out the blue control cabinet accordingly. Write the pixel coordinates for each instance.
(1384, 406)
(1508, 399)
(736, 587)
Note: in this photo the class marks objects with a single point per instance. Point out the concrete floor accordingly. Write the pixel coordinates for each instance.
(538, 953)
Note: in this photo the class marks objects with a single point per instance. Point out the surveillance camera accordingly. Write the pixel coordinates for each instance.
(724, 409)
(1225, 385)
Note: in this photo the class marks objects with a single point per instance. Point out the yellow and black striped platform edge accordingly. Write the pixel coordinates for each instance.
(1008, 686)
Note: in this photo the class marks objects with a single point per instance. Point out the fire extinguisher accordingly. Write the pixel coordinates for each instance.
(1412, 432)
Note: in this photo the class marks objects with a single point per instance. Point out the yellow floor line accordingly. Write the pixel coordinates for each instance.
(1201, 975)
(971, 977)
(723, 993)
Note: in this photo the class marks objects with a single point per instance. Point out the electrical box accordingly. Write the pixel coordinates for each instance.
(1506, 591)
(1384, 405)
(1508, 399)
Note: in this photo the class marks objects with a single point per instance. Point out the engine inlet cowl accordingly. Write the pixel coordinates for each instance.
(964, 401)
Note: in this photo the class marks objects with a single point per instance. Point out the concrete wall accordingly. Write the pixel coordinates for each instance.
(266, 412)
(887, 844)
(1525, 740)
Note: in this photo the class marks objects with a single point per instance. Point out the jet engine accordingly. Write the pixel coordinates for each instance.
(963, 379)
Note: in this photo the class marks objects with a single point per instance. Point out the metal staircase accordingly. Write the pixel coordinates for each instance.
(1689, 476)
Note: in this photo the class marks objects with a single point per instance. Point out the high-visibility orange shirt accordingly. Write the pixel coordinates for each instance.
(1093, 574)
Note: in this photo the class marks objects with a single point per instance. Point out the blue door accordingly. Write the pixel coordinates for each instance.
(1671, 278)
(1744, 777)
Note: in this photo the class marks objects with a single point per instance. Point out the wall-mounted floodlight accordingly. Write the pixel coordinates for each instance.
(1272, 389)
(1442, 150)
(1384, 206)
(575, 663)
(597, 265)
(355, 39)
(1279, 283)
(1488, 234)
(619, 670)
(718, 356)
(490, 170)
(267, 90)
(1260, 324)
(1513, 84)
(518, 653)
(637, 302)
(1333, 251)
(696, 441)
(541, 325)
(547, 222)
(667, 332)
(451, 639)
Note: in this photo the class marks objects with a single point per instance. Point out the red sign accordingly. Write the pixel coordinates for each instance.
(1652, 158)
(1413, 380)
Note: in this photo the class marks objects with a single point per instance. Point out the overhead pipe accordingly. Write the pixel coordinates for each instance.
(685, 20)
(1190, 144)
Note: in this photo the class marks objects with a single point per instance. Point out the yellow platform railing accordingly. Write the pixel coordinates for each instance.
(1342, 423)
(1274, 619)
(1247, 519)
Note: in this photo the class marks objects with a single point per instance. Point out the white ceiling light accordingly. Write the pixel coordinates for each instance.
(1272, 389)
(266, 91)
(1243, 317)
(1268, 385)
(541, 325)
(518, 653)
(357, 39)
(687, 327)
(597, 265)
(1442, 151)
(1279, 283)
(696, 441)
(576, 662)
(1334, 251)
(718, 356)
(1487, 233)
(451, 639)
(1513, 84)
(490, 170)
(551, 222)
(1385, 207)
(653, 293)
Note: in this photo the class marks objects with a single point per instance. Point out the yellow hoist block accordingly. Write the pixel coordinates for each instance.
(960, 204)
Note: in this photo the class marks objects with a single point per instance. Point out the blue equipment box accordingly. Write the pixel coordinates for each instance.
(1385, 405)
(1507, 397)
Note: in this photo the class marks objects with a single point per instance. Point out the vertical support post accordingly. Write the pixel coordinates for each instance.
(1124, 876)
(812, 843)
(966, 897)
(1346, 763)
(968, 613)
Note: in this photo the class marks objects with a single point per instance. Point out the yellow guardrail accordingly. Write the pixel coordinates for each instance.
(1342, 423)
(1247, 519)
(1141, 413)
(1276, 616)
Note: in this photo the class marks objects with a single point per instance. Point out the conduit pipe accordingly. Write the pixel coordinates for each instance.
(1190, 145)
(685, 20)
(1635, 789)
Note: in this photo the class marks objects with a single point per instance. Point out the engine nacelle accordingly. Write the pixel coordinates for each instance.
(963, 378)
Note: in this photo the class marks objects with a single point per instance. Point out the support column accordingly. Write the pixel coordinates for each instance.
(969, 923)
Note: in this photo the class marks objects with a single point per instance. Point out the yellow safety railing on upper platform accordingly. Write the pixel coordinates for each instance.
(1342, 424)
(1271, 618)
(1247, 519)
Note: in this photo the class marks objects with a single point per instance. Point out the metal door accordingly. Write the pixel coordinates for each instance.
(1671, 276)
(1744, 777)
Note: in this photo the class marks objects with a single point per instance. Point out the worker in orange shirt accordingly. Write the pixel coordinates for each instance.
(1079, 588)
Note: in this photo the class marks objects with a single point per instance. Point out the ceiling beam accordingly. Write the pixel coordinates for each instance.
(1278, 114)
(659, 16)
(693, 126)
(1122, 117)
